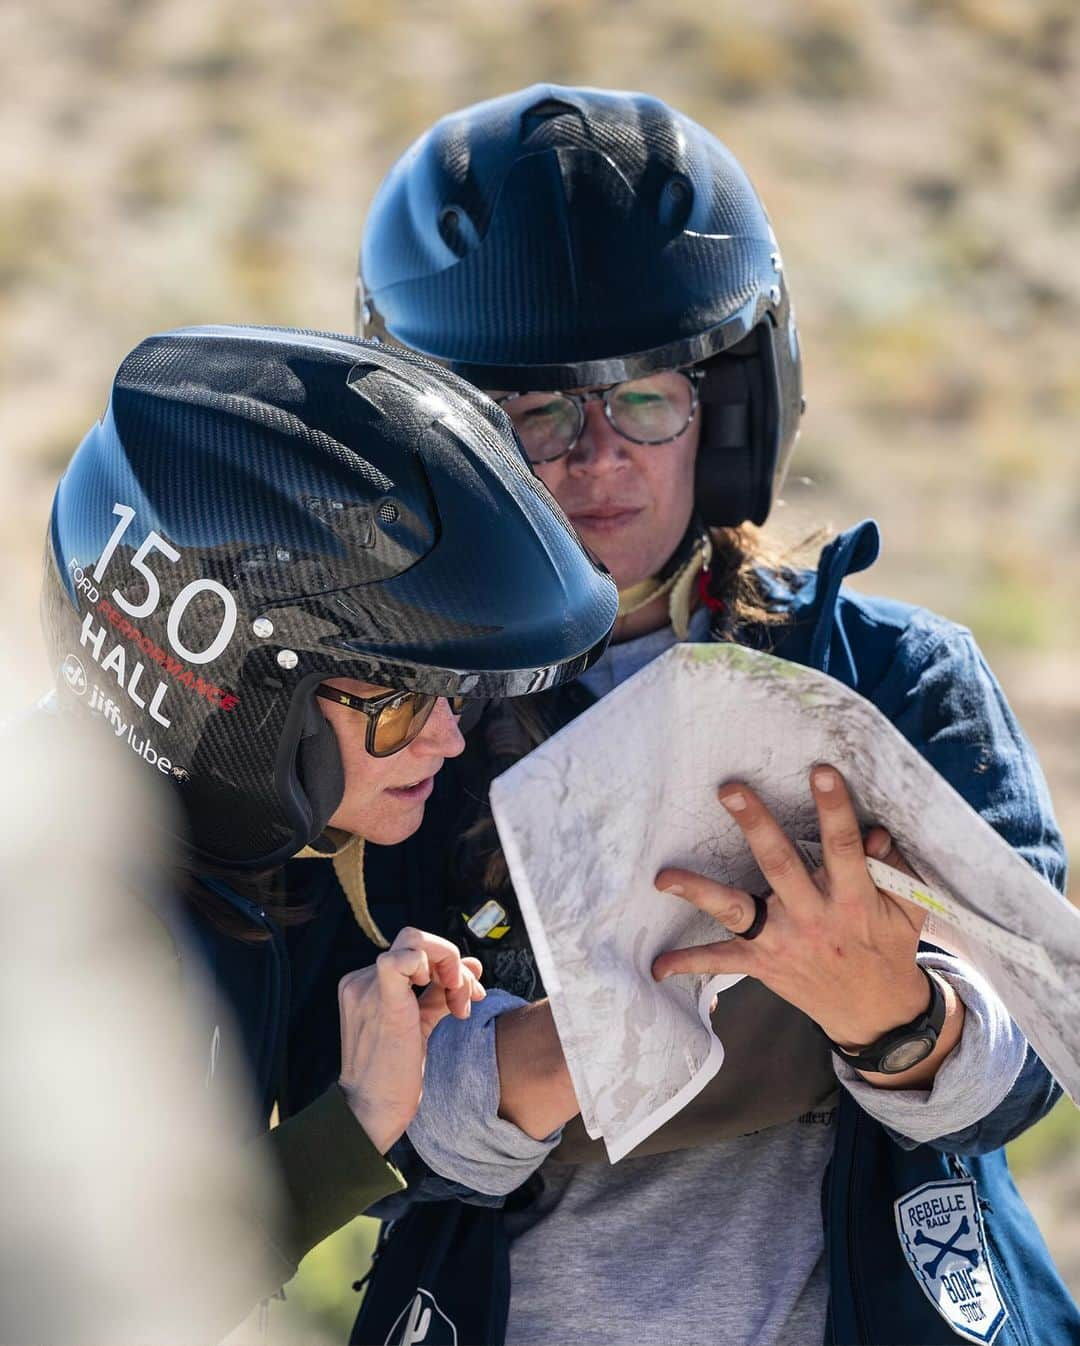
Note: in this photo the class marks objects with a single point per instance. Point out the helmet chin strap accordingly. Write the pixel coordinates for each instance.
(678, 578)
(346, 850)
(637, 596)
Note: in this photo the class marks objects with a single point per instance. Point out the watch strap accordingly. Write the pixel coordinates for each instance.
(927, 1026)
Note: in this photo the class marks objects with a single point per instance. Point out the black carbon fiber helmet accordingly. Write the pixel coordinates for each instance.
(558, 238)
(260, 509)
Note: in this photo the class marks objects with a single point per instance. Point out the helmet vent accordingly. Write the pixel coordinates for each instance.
(545, 111)
(457, 231)
(388, 512)
(675, 203)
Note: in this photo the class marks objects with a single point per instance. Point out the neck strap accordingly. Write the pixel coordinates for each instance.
(678, 578)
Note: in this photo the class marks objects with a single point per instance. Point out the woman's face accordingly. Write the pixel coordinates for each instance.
(384, 796)
(630, 503)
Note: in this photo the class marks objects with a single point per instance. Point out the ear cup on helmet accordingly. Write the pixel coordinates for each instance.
(318, 766)
(737, 450)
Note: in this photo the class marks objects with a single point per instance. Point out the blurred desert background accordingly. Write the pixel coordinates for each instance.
(178, 161)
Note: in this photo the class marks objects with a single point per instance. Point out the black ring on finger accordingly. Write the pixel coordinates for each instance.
(757, 925)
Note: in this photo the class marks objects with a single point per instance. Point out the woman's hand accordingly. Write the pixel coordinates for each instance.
(833, 945)
(385, 1026)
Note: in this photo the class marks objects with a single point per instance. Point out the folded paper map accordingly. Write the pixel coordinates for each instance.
(590, 816)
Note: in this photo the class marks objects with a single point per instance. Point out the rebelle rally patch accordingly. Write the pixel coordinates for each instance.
(942, 1237)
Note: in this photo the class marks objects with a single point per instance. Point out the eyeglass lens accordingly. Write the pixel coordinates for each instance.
(649, 410)
(397, 724)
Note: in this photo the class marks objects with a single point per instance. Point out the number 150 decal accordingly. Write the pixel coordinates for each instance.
(129, 671)
(155, 542)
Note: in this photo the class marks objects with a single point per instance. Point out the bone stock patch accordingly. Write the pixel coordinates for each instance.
(942, 1237)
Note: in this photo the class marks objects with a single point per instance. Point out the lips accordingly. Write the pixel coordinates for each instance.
(604, 518)
(414, 793)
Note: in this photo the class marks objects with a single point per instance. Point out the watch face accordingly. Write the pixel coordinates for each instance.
(906, 1054)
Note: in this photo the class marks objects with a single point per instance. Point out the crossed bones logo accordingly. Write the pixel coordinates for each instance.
(931, 1267)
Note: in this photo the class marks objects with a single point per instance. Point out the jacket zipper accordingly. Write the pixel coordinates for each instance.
(284, 995)
(996, 1265)
(849, 1233)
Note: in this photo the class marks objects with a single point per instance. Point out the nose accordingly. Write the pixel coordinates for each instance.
(441, 734)
(600, 449)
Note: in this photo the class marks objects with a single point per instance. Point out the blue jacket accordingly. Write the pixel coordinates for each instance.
(928, 677)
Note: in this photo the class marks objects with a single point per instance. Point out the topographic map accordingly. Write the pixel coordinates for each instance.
(590, 816)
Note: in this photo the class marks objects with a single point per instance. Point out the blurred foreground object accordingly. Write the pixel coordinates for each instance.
(127, 1215)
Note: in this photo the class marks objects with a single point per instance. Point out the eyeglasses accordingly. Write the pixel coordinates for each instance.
(651, 410)
(393, 718)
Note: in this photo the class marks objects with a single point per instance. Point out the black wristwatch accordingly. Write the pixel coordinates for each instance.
(901, 1048)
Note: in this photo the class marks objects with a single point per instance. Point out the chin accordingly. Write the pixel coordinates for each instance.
(627, 576)
(631, 565)
(389, 831)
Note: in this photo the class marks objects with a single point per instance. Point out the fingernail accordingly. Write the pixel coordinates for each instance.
(734, 803)
(676, 888)
(824, 781)
(881, 848)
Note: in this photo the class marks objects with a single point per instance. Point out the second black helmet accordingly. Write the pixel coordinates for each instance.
(564, 238)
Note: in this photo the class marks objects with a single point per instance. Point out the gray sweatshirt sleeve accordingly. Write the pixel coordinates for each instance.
(457, 1131)
(971, 1081)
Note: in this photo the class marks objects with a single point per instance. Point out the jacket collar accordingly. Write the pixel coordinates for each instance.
(810, 637)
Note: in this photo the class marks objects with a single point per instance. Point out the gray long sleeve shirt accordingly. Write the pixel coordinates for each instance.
(724, 1239)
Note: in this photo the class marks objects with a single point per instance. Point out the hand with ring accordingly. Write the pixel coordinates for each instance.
(830, 943)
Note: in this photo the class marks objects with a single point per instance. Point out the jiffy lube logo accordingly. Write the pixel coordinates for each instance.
(150, 672)
(942, 1237)
(74, 674)
(126, 729)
